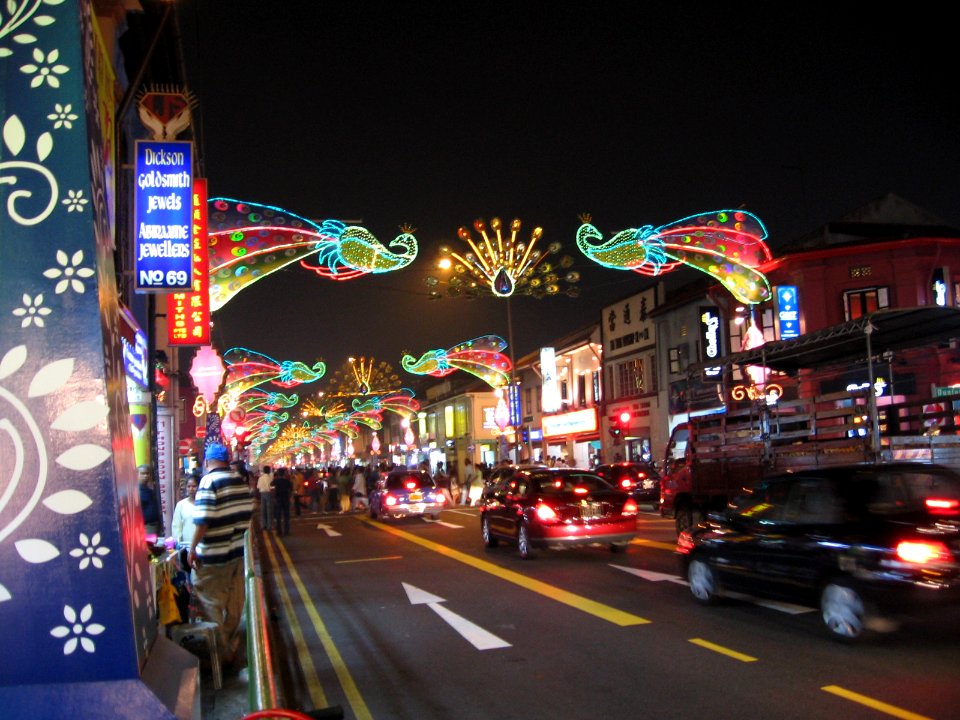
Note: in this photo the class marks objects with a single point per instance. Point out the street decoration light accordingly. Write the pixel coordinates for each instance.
(206, 371)
(481, 357)
(503, 265)
(728, 245)
(249, 241)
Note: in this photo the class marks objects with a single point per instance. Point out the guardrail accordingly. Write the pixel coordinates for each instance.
(262, 686)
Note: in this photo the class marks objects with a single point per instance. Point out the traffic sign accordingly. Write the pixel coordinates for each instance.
(186, 446)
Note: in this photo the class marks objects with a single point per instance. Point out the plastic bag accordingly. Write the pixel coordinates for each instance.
(167, 600)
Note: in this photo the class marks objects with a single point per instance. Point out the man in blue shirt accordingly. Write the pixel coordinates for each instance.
(222, 510)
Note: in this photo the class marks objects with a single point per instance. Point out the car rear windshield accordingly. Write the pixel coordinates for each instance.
(558, 484)
(401, 482)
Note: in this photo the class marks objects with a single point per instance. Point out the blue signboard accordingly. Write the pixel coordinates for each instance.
(788, 311)
(164, 183)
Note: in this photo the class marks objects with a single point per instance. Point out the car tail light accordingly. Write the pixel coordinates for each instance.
(440, 498)
(545, 513)
(626, 483)
(923, 552)
(580, 490)
(943, 506)
(684, 543)
(630, 508)
(389, 499)
(410, 485)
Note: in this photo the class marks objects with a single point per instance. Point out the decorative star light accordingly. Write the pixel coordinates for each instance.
(481, 357)
(248, 241)
(728, 245)
(502, 265)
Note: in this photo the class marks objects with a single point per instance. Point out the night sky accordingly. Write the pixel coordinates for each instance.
(435, 114)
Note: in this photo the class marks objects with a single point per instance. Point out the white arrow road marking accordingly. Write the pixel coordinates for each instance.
(474, 634)
(783, 607)
(441, 522)
(328, 530)
(651, 576)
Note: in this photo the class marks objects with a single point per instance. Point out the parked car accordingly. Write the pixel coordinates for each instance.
(406, 493)
(639, 479)
(537, 507)
(862, 543)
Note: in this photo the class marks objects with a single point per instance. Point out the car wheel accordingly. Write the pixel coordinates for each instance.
(704, 582)
(523, 542)
(618, 547)
(488, 539)
(688, 518)
(843, 610)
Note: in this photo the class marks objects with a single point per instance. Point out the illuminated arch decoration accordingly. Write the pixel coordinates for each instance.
(728, 245)
(481, 357)
(248, 241)
(247, 369)
(502, 265)
(255, 399)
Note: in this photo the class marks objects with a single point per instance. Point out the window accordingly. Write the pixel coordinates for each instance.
(857, 303)
(528, 401)
(674, 353)
(581, 390)
(595, 383)
(629, 378)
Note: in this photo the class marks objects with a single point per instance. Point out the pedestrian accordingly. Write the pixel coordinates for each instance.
(221, 514)
(344, 481)
(358, 493)
(183, 514)
(149, 502)
(469, 477)
(282, 490)
(299, 479)
(265, 490)
(443, 482)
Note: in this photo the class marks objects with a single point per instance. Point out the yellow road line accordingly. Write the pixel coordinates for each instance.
(317, 696)
(604, 612)
(359, 707)
(654, 544)
(871, 703)
(360, 560)
(722, 650)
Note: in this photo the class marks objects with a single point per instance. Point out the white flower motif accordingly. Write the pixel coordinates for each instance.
(62, 116)
(69, 272)
(77, 628)
(75, 201)
(91, 552)
(32, 311)
(47, 69)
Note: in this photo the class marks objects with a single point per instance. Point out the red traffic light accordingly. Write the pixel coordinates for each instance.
(624, 418)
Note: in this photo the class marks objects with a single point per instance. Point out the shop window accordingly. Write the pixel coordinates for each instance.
(581, 390)
(857, 303)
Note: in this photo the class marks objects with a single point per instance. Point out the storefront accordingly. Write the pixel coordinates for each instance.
(571, 437)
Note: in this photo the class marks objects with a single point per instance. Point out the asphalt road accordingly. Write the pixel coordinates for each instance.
(414, 619)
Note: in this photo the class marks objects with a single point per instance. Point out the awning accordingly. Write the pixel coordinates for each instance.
(848, 343)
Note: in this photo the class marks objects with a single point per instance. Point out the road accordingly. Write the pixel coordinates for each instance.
(416, 619)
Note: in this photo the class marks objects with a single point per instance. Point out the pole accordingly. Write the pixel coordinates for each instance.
(511, 388)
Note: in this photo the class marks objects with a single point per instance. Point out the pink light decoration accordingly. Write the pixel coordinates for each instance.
(501, 415)
(375, 444)
(207, 371)
(728, 245)
(481, 357)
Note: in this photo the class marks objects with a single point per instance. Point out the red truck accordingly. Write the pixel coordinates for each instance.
(881, 388)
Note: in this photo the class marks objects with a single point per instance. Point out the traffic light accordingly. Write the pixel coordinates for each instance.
(624, 420)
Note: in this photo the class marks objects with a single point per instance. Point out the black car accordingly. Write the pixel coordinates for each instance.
(639, 479)
(406, 493)
(862, 543)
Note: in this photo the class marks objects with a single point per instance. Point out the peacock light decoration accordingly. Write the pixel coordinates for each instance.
(728, 245)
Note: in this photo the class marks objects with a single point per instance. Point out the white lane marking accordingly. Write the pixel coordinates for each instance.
(440, 522)
(784, 607)
(328, 530)
(474, 634)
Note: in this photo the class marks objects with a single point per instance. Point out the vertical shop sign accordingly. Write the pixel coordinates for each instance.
(162, 209)
(788, 311)
(188, 321)
(710, 341)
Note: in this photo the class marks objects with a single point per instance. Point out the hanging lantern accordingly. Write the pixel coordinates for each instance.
(375, 444)
(207, 372)
(501, 415)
